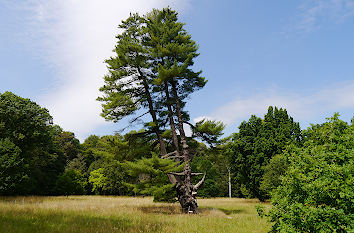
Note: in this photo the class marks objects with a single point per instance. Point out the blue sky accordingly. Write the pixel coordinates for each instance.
(292, 54)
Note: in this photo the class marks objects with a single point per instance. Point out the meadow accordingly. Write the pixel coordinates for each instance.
(126, 214)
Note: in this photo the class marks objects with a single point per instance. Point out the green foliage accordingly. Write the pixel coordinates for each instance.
(260, 210)
(12, 169)
(87, 149)
(109, 179)
(273, 171)
(69, 144)
(151, 177)
(209, 130)
(77, 163)
(29, 150)
(316, 193)
(165, 193)
(174, 50)
(106, 155)
(118, 147)
(214, 162)
(23, 121)
(257, 141)
(97, 180)
(124, 90)
(71, 182)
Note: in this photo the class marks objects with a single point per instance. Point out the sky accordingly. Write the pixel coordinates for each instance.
(297, 55)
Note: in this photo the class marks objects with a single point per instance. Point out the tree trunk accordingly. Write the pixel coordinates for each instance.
(186, 193)
(153, 114)
(172, 123)
(229, 170)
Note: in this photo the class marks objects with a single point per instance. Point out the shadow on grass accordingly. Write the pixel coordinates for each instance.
(228, 212)
(174, 210)
(225, 211)
(16, 221)
(171, 210)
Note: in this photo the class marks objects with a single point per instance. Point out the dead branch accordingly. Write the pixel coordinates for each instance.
(183, 174)
(168, 154)
(196, 187)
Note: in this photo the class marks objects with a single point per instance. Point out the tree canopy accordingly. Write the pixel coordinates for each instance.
(30, 157)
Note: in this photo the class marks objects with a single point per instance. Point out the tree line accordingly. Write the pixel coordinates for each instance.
(302, 171)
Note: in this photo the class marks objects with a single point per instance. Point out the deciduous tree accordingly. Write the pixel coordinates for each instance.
(316, 193)
(28, 149)
(257, 141)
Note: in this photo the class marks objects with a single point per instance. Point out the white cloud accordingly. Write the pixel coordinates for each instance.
(74, 38)
(313, 14)
(301, 106)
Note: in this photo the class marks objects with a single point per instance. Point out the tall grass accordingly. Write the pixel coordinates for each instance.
(125, 214)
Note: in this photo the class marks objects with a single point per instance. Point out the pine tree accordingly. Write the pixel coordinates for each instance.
(152, 69)
(128, 85)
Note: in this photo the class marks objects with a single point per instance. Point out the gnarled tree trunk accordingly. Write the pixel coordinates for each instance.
(186, 191)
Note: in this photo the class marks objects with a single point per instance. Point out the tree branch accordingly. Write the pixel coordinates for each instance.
(173, 179)
(136, 118)
(199, 134)
(131, 135)
(183, 173)
(196, 187)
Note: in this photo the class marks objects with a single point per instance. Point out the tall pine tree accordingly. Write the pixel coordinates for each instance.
(152, 70)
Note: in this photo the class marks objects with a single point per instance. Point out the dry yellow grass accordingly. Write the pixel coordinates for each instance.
(126, 214)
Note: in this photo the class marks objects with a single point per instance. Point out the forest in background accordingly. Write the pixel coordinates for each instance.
(42, 159)
(302, 171)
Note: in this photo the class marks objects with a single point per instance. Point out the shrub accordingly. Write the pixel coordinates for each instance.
(71, 182)
(316, 193)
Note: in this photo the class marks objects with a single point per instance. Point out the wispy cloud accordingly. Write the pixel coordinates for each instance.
(74, 38)
(301, 106)
(314, 14)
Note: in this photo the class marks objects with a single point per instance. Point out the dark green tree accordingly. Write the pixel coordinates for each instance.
(257, 141)
(214, 162)
(69, 144)
(12, 168)
(28, 147)
(71, 182)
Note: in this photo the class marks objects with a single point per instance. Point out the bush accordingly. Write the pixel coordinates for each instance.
(72, 182)
(273, 171)
(109, 179)
(316, 193)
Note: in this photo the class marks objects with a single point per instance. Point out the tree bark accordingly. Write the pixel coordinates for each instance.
(153, 114)
(186, 193)
(172, 122)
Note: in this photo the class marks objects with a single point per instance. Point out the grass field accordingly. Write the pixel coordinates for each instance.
(126, 214)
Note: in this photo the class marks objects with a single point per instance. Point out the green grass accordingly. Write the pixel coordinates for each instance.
(126, 214)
